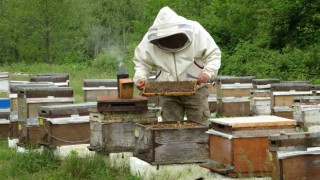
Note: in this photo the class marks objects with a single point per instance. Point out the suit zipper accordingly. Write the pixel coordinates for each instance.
(175, 65)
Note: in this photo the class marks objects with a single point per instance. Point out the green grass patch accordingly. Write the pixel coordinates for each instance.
(45, 164)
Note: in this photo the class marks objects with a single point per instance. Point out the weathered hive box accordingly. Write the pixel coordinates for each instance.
(234, 90)
(4, 123)
(307, 115)
(212, 100)
(64, 131)
(31, 132)
(93, 88)
(306, 100)
(285, 98)
(171, 142)
(294, 157)
(57, 120)
(238, 146)
(233, 106)
(113, 132)
(234, 79)
(260, 106)
(291, 86)
(66, 110)
(14, 90)
(232, 86)
(282, 111)
(59, 79)
(4, 128)
(264, 83)
(30, 98)
(260, 93)
(14, 125)
(282, 102)
(4, 84)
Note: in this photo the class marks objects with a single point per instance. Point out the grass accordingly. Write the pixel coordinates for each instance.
(47, 165)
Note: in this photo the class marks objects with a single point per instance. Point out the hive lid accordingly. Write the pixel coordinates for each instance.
(4, 121)
(254, 121)
(69, 120)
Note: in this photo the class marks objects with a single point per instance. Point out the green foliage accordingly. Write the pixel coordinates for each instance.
(277, 38)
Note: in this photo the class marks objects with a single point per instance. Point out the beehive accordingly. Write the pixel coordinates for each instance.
(65, 124)
(171, 142)
(238, 146)
(113, 132)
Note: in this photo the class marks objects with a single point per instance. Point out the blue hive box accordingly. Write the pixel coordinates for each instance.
(4, 103)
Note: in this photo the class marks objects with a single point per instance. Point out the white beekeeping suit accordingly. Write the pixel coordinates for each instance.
(180, 50)
(197, 52)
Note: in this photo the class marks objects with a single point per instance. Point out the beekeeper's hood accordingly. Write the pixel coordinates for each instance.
(168, 26)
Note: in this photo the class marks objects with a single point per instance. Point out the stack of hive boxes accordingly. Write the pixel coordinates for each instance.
(30, 98)
(233, 95)
(283, 94)
(239, 145)
(261, 96)
(14, 91)
(306, 109)
(4, 105)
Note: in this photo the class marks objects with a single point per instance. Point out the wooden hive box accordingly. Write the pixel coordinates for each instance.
(234, 90)
(234, 79)
(126, 88)
(57, 132)
(294, 157)
(49, 116)
(171, 142)
(29, 132)
(233, 107)
(282, 111)
(113, 132)
(260, 106)
(307, 115)
(59, 79)
(15, 87)
(212, 100)
(264, 83)
(93, 88)
(238, 146)
(4, 128)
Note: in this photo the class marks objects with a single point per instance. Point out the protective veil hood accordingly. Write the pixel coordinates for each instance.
(168, 23)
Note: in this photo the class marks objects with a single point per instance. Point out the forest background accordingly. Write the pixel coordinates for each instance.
(266, 39)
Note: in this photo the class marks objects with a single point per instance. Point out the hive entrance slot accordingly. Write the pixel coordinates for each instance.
(122, 104)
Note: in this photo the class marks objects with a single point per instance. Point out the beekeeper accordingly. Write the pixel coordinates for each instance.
(180, 50)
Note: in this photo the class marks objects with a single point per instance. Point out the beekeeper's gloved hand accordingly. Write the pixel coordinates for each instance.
(140, 84)
(203, 78)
